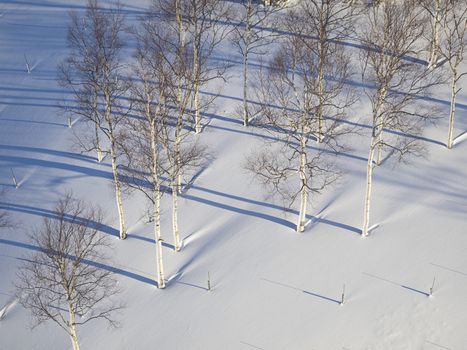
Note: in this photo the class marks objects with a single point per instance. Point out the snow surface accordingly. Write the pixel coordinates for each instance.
(272, 288)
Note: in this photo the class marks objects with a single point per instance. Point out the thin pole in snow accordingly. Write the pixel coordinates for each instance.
(343, 295)
(14, 178)
(28, 67)
(69, 122)
(432, 287)
(209, 282)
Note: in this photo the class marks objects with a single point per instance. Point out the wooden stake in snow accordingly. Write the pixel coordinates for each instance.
(432, 287)
(209, 282)
(69, 122)
(28, 66)
(343, 295)
(14, 178)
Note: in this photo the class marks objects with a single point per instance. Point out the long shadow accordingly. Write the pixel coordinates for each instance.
(57, 165)
(113, 269)
(272, 138)
(50, 4)
(54, 215)
(33, 122)
(278, 207)
(240, 210)
(52, 152)
(303, 291)
(396, 284)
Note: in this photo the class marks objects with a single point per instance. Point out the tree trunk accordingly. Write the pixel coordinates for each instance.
(196, 80)
(118, 187)
(435, 40)
(246, 116)
(304, 188)
(157, 210)
(369, 178)
(72, 328)
(176, 233)
(452, 112)
(320, 107)
(379, 127)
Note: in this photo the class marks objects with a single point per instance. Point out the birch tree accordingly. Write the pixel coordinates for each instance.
(63, 281)
(143, 144)
(181, 149)
(435, 10)
(453, 49)
(251, 37)
(205, 26)
(328, 23)
(392, 34)
(92, 71)
(289, 106)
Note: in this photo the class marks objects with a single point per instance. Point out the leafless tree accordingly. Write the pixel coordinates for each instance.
(289, 96)
(322, 25)
(436, 11)
(251, 37)
(92, 71)
(64, 280)
(392, 37)
(178, 150)
(453, 49)
(143, 142)
(204, 26)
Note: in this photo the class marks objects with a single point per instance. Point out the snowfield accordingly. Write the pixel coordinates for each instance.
(272, 288)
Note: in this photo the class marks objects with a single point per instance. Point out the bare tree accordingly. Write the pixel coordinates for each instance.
(143, 142)
(207, 30)
(327, 23)
(178, 147)
(453, 49)
(63, 281)
(289, 108)
(250, 37)
(92, 72)
(391, 36)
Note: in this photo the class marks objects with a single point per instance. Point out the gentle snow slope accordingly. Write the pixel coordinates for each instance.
(272, 288)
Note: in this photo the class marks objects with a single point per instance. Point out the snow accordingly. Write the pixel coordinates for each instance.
(272, 288)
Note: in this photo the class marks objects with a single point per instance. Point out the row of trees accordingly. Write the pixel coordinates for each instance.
(150, 111)
(146, 115)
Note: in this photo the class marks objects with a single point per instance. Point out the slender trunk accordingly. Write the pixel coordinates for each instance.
(96, 128)
(246, 117)
(118, 188)
(320, 107)
(176, 233)
(304, 188)
(113, 155)
(157, 208)
(72, 327)
(380, 125)
(435, 40)
(98, 143)
(452, 112)
(196, 80)
(369, 178)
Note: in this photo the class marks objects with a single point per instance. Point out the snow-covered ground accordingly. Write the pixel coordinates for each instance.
(272, 288)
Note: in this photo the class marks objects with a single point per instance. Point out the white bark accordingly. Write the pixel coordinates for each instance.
(176, 233)
(246, 49)
(452, 112)
(369, 178)
(72, 327)
(113, 155)
(304, 188)
(434, 49)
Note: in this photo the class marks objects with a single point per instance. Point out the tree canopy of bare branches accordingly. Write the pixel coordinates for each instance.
(92, 72)
(392, 37)
(64, 280)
